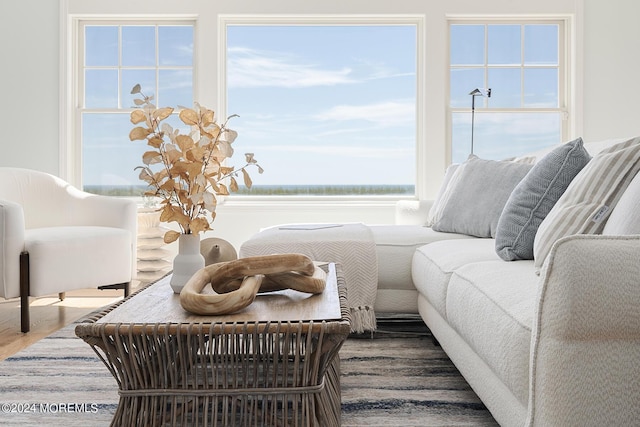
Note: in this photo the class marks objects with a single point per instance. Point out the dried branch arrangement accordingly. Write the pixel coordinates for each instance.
(187, 172)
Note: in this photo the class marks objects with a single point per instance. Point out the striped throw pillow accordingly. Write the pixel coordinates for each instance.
(586, 204)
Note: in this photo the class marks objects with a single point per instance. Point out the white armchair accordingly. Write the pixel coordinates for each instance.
(55, 238)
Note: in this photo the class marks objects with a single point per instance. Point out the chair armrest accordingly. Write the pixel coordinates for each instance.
(412, 212)
(11, 244)
(585, 349)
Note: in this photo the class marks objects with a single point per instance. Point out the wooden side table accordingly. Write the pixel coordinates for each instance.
(274, 363)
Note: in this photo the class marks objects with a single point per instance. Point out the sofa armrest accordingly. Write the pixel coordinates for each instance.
(412, 212)
(11, 245)
(585, 350)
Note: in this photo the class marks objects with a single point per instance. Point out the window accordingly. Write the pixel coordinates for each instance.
(113, 58)
(328, 108)
(524, 65)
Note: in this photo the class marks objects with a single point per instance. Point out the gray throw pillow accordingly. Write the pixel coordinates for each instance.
(533, 198)
(477, 194)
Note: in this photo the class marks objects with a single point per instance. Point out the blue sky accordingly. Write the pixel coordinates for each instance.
(325, 105)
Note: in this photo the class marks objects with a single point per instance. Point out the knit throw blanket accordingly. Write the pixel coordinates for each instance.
(350, 245)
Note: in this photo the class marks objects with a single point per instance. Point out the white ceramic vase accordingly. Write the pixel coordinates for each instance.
(187, 262)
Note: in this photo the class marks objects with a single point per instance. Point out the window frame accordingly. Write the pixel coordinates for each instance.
(565, 83)
(71, 153)
(225, 20)
(433, 125)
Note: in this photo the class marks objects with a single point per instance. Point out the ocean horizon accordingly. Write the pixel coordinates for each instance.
(273, 190)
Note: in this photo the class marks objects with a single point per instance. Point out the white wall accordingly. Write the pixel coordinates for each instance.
(611, 69)
(29, 74)
(30, 84)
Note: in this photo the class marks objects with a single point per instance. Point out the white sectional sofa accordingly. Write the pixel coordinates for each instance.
(550, 345)
(550, 341)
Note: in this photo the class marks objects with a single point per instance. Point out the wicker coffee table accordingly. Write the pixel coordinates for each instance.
(275, 363)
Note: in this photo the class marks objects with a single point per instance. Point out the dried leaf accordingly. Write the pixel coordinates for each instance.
(222, 190)
(208, 117)
(155, 142)
(197, 154)
(230, 136)
(233, 184)
(138, 116)
(248, 157)
(189, 117)
(138, 101)
(214, 184)
(145, 175)
(174, 213)
(225, 170)
(172, 154)
(139, 133)
(168, 185)
(201, 180)
(212, 132)
(223, 150)
(167, 130)
(199, 224)
(183, 196)
(194, 169)
(162, 113)
(210, 202)
(212, 168)
(184, 142)
(171, 236)
(247, 179)
(160, 175)
(151, 157)
(136, 89)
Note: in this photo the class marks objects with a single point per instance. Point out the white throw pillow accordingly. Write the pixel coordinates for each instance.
(625, 218)
(476, 195)
(592, 195)
(438, 204)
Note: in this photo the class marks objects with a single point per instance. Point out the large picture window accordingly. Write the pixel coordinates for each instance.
(113, 58)
(524, 65)
(328, 108)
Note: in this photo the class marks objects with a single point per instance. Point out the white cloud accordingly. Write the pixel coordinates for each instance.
(342, 150)
(251, 68)
(389, 113)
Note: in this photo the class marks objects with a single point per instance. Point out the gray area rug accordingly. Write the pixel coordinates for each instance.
(397, 378)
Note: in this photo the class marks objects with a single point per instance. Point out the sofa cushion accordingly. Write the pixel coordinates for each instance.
(625, 219)
(395, 246)
(533, 198)
(476, 195)
(491, 305)
(590, 198)
(434, 263)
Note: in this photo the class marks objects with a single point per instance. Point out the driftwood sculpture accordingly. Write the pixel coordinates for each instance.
(236, 283)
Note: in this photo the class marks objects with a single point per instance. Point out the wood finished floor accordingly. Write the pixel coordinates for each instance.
(48, 314)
